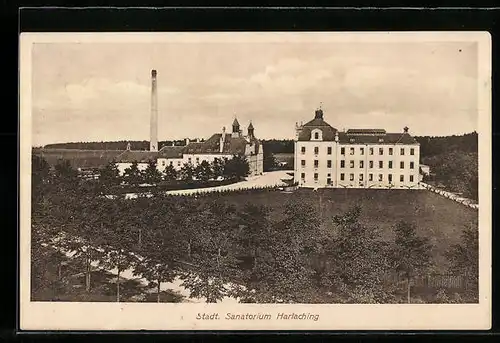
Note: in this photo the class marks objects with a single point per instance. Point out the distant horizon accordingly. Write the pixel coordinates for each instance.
(194, 138)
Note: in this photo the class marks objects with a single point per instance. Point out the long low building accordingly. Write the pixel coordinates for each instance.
(218, 146)
(356, 158)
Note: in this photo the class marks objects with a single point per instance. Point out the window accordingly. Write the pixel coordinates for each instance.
(412, 151)
(329, 150)
(360, 177)
(341, 176)
(401, 165)
(402, 151)
(303, 176)
(401, 178)
(316, 150)
(370, 164)
(328, 174)
(351, 151)
(362, 151)
(178, 163)
(315, 176)
(351, 164)
(163, 163)
(390, 164)
(380, 177)
(316, 163)
(381, 151)
(371, 151)
(329, 163)
(411, 178)
(342, 151)
(390, 178)
(390, 151)
(361, 164)
(197, 160)
(412, 165)
(316, 135)
(370, 177)
(381, 164)
(328, 181)
(351, 177)
(303, 163)
(303, 149)
(189, 160)
(342, 164)
(171, 163)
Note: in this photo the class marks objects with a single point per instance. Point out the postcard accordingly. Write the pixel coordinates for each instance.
(255, 181)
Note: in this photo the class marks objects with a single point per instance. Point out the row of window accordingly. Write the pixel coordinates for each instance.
(361, 177)
(402, 151)
(179, 162)
(361, 164)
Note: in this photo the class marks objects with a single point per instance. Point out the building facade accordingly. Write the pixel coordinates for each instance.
(218, 146)
(356, 158)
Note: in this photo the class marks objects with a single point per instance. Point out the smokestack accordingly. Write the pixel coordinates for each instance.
(153, 144)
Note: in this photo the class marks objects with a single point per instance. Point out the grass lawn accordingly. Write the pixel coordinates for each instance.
(438, 218)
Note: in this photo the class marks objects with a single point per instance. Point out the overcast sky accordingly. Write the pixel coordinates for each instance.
(98, 91)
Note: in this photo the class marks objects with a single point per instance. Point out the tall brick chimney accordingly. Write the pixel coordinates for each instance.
(153, 142)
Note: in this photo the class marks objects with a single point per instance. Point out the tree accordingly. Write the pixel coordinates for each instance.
(411, 254)
(269, 162)
(356, 260)
(254, 229)
(161, 248)
(218, 167)
(151, 174)
(203, 171)
(463, 257)
(283, 272)
(236, 168)
(117, 249)
(169, 174)
(186, 173)
(214, 261)
(110, 176)
(133, 175)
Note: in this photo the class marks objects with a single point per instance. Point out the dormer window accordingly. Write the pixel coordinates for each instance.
(316, 135)
(351, 140)
(380, 140)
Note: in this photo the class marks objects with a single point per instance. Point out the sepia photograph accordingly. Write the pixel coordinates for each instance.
(255, 181)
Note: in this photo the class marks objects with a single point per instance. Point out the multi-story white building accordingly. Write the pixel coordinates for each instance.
(356, 158)
(218, 146)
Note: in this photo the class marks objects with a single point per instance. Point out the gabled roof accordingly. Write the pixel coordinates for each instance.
(171, 152)
(235, 122)
(129, 156)
(232, 145)
(317, 123)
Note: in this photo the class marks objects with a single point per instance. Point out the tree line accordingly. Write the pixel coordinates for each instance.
(221, 169)
(220, 249)
(453, 161)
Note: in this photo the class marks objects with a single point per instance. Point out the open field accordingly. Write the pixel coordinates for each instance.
(438, 218)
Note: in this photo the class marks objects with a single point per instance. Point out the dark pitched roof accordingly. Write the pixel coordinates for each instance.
(129, 156)
(232, 145)
(77, 157)
(317, 123)
(388, 138)
(250, 126)
(171, 152)
(235, 122)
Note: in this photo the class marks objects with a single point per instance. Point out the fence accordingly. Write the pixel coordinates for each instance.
(433, 281)
(464, 201)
